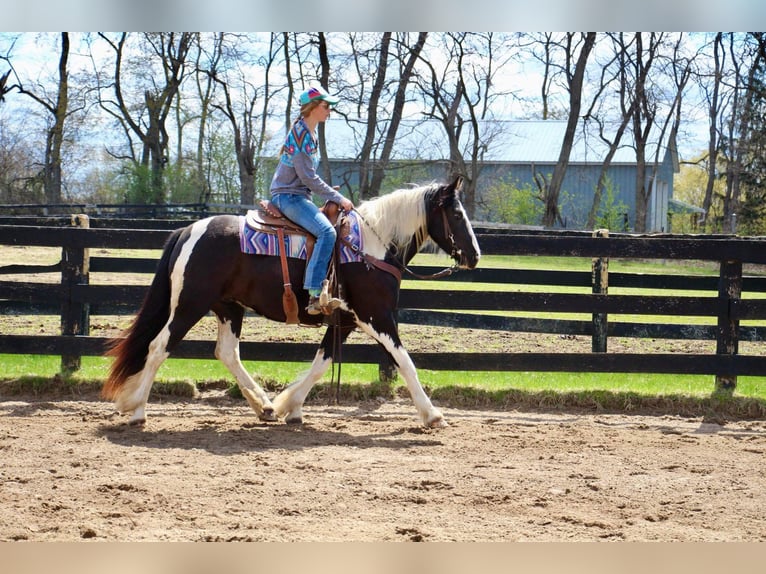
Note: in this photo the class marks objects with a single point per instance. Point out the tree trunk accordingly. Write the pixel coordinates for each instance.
(575, 102)
(324, 66)
(55, 138)
(713, 112)
(643, 189)
(379, 168)
(365, 157)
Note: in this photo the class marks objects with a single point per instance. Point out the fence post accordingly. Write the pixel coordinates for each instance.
(727, 335)
(75, 316)
(600, 286)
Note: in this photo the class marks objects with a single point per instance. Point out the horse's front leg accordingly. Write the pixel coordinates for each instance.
(387, 336)
(289, 403)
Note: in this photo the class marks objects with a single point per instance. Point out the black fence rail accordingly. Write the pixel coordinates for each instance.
(730, 298)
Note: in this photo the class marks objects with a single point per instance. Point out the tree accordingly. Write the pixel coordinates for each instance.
(59, 111)
(404, 77)
(458, 94)
(625, 105)
(147, 119)
(574, 80)
(18, 179)
(712, 91)
(244, 103)
(643, 118)
(742, 138)
(376, 92)
(4, 88)
(745, 196)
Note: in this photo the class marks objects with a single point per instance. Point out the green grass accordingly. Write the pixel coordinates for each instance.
(690, 395)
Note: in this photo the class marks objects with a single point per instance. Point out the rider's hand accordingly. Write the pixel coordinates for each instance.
(347, 204)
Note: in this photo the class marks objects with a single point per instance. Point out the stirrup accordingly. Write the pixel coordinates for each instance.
(326, 302)
(323, 304)
(313, 307)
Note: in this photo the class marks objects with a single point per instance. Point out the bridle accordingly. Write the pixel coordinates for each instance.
(455, 252)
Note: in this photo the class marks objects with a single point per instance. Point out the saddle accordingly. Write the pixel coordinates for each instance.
(269, 219)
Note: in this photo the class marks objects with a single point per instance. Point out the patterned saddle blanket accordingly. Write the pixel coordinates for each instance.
(259, 239)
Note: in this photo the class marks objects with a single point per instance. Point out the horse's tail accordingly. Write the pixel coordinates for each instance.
(130, 351)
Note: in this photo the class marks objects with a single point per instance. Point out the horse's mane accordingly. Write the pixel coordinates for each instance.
(396, 217)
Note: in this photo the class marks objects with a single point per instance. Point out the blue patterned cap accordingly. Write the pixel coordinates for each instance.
(317, 93)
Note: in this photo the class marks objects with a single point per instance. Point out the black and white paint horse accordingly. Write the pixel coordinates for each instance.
(202, 268)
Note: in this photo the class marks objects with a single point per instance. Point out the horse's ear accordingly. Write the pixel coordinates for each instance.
(454, 189)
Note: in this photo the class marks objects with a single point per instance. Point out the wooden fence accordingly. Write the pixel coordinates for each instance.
(732, 298)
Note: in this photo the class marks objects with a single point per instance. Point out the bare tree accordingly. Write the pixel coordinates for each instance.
(376, 92)
(4, 88)
(712, 90)
(58, 109)
(245, 105)
(611, 140)
(540, 47)
(147, 121)
(643, 120)
(575, 75)
(460, 96)
(404, 78)
(747, 58)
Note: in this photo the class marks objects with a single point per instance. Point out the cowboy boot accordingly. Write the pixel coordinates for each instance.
(326, 302)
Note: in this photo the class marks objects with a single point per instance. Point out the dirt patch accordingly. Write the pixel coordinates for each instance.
(207, 469)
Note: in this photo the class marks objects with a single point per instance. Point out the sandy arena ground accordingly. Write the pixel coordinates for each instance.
(206, 469)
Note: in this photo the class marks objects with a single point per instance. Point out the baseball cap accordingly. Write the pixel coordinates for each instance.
(317, 93)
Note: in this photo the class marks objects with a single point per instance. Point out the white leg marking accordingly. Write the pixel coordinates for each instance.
(227, 351)
(289, 403)
(137, 388)
(430, 415)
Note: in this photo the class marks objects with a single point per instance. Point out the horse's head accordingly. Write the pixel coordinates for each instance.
(449, 227)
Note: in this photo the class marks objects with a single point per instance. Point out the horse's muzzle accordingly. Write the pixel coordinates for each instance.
(467, 260)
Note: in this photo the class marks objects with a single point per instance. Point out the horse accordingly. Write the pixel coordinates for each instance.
(203, 268)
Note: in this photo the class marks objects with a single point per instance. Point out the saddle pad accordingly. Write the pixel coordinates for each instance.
(257, 242)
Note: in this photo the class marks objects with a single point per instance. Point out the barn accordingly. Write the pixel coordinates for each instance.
(513, 151)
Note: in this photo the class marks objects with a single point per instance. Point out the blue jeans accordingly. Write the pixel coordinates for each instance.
(305, 213)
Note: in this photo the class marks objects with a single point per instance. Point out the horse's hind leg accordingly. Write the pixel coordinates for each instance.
(137, 388)
(182, 318)
(227, 351)
(289, 403)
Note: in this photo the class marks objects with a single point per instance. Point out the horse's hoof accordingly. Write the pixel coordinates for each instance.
(137, 422)
(294, 420)
(268, 415)
(437, 423)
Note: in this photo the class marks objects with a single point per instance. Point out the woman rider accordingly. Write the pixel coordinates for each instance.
(296, 179)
